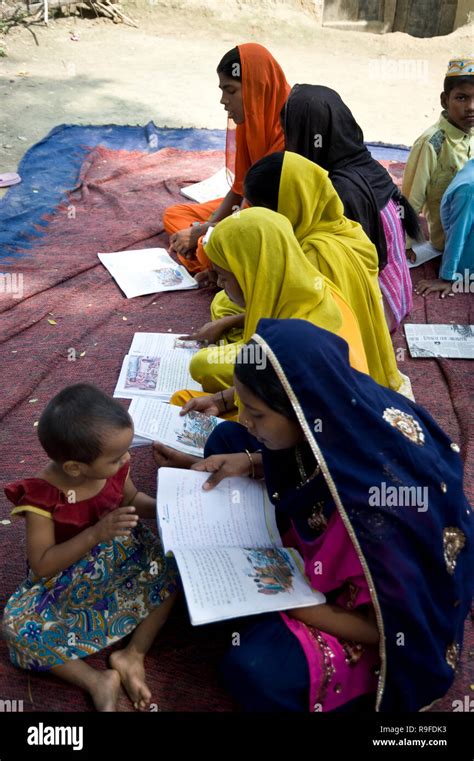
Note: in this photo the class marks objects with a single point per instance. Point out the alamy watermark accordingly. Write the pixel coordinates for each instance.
(464, 282)
(249, 354)
(12, 282)
(399, 496)
(47, 735)
(11, 706)
(397, 69)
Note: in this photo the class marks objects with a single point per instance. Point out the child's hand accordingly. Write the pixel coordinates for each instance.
(444, 287)
(119, 522)
(208, 334)
(184, 242)
(206, 404)
(206, 278)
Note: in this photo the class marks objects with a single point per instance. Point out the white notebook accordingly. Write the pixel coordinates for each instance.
(145, 271)
(216, 186)
(424, 253)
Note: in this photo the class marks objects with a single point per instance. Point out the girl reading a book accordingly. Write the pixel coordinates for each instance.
(262, 268)
(96, 573)
(318, 125)
(338, 247)
(329, 442)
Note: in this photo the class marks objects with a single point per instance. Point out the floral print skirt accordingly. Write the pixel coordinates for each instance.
(90, 605)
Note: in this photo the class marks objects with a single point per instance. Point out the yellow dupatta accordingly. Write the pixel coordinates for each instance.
(342, 252)
(259, 248)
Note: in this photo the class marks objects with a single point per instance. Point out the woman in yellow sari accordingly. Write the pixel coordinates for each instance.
(262, 268)
(336, 246)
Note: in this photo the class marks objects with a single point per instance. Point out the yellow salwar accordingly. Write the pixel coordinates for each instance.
(222, 306)
(277, 281)
(342, 252)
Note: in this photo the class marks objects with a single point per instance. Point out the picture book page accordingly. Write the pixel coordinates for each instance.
(229, 582)
(162, 422)
(144, 271)
(157, 365)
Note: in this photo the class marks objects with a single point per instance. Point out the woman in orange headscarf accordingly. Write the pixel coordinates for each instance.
(254, 90)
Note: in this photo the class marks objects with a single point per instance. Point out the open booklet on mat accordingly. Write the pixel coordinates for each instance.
(156, 365)
(157, 421)
(424, 252)
(147, 270)
(227, 547)
(216, 186)
(448, 341)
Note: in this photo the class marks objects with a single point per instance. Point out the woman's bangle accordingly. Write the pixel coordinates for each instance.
(251, 463)
(226, 409)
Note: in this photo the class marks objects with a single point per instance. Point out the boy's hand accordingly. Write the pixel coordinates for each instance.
(118, 522)
(411, 256)
(223, 466)
(444, 287)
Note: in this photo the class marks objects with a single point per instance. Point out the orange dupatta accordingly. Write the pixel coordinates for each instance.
(264, 93)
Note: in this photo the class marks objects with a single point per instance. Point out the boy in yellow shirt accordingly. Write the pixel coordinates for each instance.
(442, 150)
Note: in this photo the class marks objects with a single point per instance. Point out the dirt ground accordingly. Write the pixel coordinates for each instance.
(92, 71)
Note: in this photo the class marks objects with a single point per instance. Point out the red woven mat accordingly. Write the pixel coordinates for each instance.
(71, 302)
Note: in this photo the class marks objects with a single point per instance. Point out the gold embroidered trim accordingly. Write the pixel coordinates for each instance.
(327, 669)
(353, 651)
(406, 424)
(452, 655)
(453, 542)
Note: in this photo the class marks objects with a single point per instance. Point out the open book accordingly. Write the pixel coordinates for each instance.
(449, 341)
(156, 366)
(424, 251)
(147, 270)
(157, 421)
(216, 186)
(228, 549)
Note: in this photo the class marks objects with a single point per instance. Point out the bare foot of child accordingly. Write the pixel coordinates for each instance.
(166, 457)
(106, 690)
(131, 668)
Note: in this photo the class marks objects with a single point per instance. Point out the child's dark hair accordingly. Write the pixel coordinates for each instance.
(262, 181)
(253, 369)
(72, 424)
(451, 82)
(230, 65)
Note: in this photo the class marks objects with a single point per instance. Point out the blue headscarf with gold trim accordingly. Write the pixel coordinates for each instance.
(419, 559)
